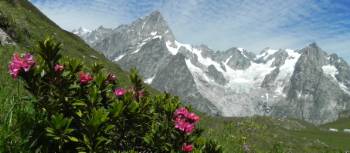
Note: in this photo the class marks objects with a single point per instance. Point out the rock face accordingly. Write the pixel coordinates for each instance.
(315, 92)
(306, 84)
(5, 39)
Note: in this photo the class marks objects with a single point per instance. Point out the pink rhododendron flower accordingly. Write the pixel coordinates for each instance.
(181, 111)
(18, 63)
(193, 117)
(189, 127)
(119, 92)
(185, 120)
(28, 62)
(85, 78)
(183, 125)
(14, 69)
(180, 124)
(59, 68)
(187, 147)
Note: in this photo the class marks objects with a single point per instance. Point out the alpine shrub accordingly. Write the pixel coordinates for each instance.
(83, 109)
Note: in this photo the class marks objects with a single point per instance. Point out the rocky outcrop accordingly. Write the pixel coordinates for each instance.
(5, 39)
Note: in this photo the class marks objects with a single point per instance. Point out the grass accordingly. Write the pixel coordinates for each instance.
(261, 133)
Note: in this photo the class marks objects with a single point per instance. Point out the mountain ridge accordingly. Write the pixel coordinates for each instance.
(234, 82)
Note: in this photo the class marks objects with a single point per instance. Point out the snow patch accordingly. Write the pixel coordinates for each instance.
(286, 70)
(330, 70)
(119, 58)
(266, 53)
(242, 81)
(173, 47)
(153, 33)
(333, 130)
(242, 52)
(139, 47)
(227, 60)
(344, 88)
(144, 42)
(196, 71)
(82, 31)
(150, 80)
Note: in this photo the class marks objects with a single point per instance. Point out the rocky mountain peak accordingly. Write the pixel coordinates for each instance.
(235, 82)
(153, 24)
(314, 55)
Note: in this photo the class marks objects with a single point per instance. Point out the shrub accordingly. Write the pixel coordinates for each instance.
(80, 109)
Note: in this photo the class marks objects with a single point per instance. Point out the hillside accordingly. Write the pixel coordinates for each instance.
(265, 133)
(27, 25)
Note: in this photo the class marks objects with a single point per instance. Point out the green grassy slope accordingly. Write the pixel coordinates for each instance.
(260, 132)
(37, 27)
(27, 25)
(341, 124)
(263, 133)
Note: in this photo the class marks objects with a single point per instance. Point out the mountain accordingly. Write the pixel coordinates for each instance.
(306, 84)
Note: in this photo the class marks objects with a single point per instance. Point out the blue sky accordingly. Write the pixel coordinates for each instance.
(221, 24)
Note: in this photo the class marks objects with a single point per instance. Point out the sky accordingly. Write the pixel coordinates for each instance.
(221, 24)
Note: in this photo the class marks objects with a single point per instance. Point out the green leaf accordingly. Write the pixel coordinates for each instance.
(73, 139)
(79, 103)
(98, 117)
(79, 113)
(117, 109)
(133, 106)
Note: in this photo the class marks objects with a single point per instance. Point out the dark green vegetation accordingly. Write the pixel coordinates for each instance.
(83, 109)
(27, 26)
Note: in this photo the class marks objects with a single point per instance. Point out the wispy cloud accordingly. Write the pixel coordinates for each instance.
(252, 24)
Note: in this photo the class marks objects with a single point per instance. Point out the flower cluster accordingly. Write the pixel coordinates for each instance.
(187, 147)
(85, 78)
(185, 121)
(119, 92)
(19, 63)
(59, 68)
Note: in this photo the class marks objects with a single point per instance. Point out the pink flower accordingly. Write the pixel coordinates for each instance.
(85, 78)
(59, 68)
(192, 116)
(18, 63)
(181, 111)
(111, 77)
(28, 62)
(180, 124)
(184, 126)
(14, 68)
(119, 92)
(189, 127)
(187, 147)
(185, 120)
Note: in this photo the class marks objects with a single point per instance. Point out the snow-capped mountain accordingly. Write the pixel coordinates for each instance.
(307, 84)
